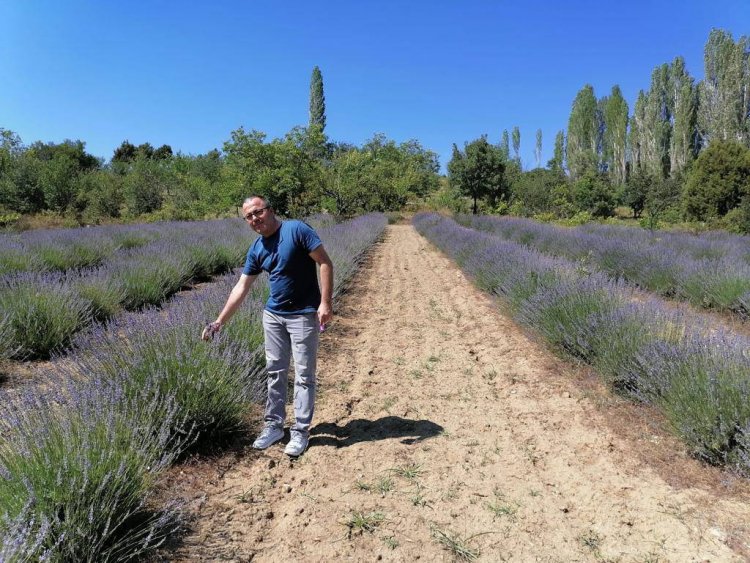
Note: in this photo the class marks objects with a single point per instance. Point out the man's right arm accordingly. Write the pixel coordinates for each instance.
(236, 297)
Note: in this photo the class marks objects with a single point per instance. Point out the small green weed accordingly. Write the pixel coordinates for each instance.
(591, 540)
(503, 509)
(362, 486)
(457, 545)
(418, 500)
(247, 497)
(359, 522)
(391, 542)
(410, 471)
(384, 485)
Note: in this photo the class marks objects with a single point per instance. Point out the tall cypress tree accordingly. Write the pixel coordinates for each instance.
(517, 143)
(317, 100)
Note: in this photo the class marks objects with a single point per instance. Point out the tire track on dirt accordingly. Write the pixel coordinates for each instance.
(436, 414)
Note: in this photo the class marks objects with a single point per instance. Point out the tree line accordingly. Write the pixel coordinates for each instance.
(683, 153)
(302, 172)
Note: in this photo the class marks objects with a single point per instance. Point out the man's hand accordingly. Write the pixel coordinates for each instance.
(211, 330)
(325, 313)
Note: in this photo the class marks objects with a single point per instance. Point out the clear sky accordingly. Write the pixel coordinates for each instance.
(187, 73)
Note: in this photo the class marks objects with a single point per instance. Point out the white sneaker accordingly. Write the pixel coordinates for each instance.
(268, 436)
(297, 445)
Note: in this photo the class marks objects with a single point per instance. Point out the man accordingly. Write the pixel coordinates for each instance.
(296, 311)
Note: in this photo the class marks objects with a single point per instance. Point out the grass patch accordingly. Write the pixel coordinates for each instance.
(456, 545)
(410, 471)
(360, 522)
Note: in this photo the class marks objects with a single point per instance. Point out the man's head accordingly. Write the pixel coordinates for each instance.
(260, 215)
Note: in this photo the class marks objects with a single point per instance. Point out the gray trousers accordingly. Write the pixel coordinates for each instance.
(291, 336)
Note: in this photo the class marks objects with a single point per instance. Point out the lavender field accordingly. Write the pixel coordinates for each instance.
(79, 463)
(74, 278)
(698, 374)
(710, 270)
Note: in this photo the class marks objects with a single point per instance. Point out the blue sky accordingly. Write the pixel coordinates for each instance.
(188, 73)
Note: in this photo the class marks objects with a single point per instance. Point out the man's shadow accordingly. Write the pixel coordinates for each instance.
(363, 430)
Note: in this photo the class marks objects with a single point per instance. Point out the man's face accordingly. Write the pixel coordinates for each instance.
(260, 217)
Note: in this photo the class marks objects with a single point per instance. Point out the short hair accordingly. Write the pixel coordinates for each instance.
(266, 203)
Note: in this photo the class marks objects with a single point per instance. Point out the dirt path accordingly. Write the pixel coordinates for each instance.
(438, 418)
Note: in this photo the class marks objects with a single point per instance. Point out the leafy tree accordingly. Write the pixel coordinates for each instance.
(593, 194)
(583, 133)
(478, 172)
(10, 148)
(99, 195)
(636, 190)
(557, 163)
(379, 176)
(657, 126)
(146, 186)
(517, 143)
(58, 181)
(684, 105)
(538, 149)
(637, 133)
(72, 150)
(126, 152)
(534, 191)
(144, 151)
(614, 146)
(164, 152)
(505, 145)
(317, 100)
(663, 196)
(724, 107)
(57, 169)
(718, 181)
(21, 189)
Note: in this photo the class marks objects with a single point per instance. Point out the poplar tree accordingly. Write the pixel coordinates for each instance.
(583, 133)
(558, 155)
(505, 145)
(538, 148)
(684, 106)
(614, 149)
(317, 100)
(724, 93)
(657, 126)
(517, 143)
(637, 124)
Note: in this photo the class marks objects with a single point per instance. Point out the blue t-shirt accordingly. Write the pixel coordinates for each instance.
(293, 277)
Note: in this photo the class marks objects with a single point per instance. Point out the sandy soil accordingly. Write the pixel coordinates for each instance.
(442, 427)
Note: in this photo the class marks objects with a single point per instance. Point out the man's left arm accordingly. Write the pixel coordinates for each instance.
(325, 311)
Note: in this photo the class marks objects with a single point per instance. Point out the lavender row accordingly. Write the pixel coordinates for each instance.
(44, 310)
(698, 374)
(78, 465)
(711, 271)
(60, 250)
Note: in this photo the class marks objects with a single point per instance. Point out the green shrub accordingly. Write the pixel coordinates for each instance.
(718, 180)
(87, 467)
(43, 316)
